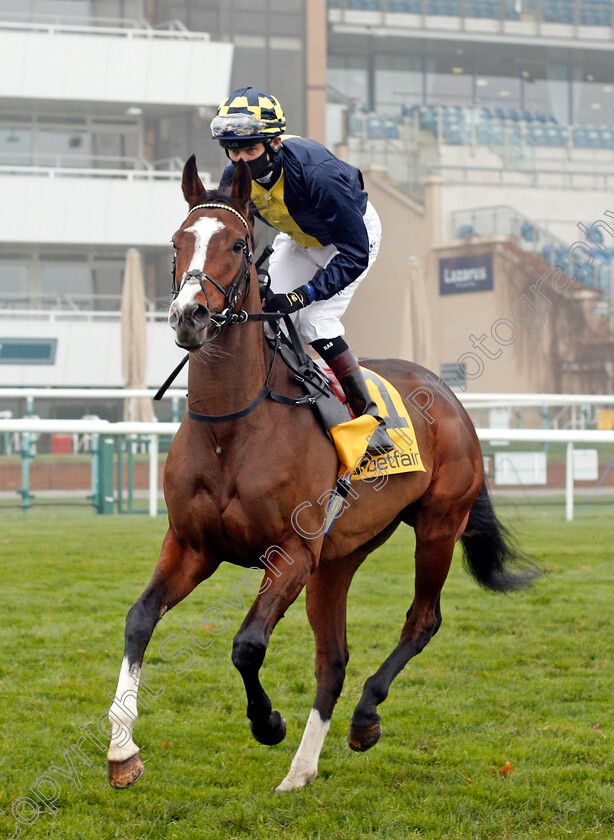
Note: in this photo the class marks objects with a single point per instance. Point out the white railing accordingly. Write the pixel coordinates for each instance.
(512, 400)
(85, 393)
(485, 400)
(52, 306)
(23, 162)
(124, 27)
(155, 430)
(98, 172)
(105, 429)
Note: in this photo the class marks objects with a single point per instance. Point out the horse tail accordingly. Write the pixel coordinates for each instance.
(490, 551)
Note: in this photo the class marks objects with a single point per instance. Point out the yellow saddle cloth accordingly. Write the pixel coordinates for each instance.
(352, 437)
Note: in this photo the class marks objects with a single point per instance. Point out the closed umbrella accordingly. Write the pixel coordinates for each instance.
(134, 338)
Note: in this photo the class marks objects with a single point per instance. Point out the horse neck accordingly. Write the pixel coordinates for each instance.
(227, 375)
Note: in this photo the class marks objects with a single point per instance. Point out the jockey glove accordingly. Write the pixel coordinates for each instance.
(289, 302)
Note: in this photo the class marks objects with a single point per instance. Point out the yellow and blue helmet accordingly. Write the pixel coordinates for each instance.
(248, 115)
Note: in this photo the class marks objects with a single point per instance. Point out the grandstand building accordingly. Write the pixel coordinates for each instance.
(485, 130)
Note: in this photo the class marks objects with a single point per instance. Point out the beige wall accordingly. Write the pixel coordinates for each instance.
(379, 318)
(501, 352)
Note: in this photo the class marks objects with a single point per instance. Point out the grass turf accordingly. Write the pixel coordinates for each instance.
(524, 679)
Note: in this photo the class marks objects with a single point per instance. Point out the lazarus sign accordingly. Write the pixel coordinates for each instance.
(465, 274)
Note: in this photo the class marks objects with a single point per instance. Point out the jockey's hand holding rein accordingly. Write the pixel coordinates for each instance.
(289, 302)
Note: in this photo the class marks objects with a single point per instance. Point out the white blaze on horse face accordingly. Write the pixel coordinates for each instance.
(304, 767)
(123, 712)
(203, 229)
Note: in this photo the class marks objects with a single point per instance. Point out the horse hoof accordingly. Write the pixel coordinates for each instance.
(122, 774)
(362, 738)
(272, 733)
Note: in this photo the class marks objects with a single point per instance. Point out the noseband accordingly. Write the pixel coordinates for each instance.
(238, 286)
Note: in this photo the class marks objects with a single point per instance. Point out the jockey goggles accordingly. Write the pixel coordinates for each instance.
(242, 127)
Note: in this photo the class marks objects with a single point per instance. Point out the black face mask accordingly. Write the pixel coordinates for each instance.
(260, 166)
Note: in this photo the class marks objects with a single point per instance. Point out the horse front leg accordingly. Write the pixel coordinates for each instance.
(287, 571)
(178, 571)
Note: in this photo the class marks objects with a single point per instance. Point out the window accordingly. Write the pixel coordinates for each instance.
(66, 141)
(546, 90)
(27, 351)
(348, 75)
(75, 10)
(398, 82)
(498, 90)
(449, 81)
(13, 283)
(593, 102)
(67, 279)
(15, 145)
(64, 147)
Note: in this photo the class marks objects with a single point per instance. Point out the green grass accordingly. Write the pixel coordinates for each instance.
(525, 678)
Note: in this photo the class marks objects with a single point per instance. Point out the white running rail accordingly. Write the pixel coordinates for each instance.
(154, 430)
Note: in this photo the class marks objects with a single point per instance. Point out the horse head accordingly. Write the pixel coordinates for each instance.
(213, 257)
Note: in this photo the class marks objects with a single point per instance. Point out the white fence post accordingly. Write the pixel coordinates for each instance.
(569, 483)
(153, 475)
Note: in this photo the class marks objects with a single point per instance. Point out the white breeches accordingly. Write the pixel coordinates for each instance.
(291, 266)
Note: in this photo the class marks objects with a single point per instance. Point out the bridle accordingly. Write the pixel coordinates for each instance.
(238, 287)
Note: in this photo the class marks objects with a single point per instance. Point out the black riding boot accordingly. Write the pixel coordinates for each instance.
(346, 369)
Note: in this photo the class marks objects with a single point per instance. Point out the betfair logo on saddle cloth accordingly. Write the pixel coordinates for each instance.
(352, 438)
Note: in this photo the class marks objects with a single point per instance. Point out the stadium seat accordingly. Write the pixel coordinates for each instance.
(607, 139)
(580, 138)
(548, 253)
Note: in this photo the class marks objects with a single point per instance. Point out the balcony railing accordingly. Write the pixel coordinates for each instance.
(126, 27)
(94, 166)
(53, 306)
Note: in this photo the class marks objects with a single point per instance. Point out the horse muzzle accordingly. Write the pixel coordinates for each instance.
(191, 323)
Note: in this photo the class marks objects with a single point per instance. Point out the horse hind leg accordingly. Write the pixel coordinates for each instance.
(327, 590)
(435, 537)
(177, 572)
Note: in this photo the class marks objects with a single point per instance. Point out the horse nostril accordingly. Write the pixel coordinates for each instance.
(173, 317)
(195, 313)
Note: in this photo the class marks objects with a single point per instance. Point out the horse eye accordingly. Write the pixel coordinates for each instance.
(237, 247)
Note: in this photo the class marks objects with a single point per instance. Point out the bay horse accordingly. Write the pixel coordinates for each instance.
(242, 464)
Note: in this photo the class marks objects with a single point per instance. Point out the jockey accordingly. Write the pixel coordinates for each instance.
(329, 233)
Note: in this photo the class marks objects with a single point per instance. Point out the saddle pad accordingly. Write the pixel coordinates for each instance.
(351, 438)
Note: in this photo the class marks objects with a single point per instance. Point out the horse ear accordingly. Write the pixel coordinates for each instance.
(192, 186)
(241, 189)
